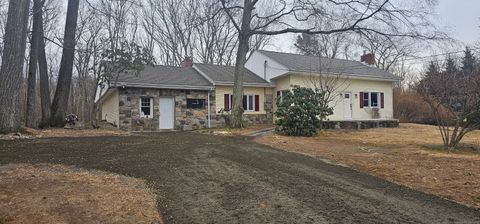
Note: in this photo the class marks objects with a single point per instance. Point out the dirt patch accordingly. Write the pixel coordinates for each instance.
(401, 155)
(45, 193)
(30, 133)
(235, 131)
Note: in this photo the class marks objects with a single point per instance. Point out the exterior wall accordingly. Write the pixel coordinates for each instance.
(109, 110)
(256, 64)
(185, 119)
(354, 86)
(265, 113)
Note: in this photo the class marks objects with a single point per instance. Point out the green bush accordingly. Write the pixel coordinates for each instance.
(301, 111)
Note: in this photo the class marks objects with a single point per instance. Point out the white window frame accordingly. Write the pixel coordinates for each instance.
(151, 107)
(248, 103)
(370, 100)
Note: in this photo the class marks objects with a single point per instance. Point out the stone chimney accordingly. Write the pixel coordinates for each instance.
(369, 58)
(187, 62)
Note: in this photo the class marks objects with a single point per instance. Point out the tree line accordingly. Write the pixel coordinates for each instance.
(165, 32)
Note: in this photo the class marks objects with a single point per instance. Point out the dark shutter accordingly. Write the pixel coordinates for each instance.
(257, 103)
(382, 100)
(361, 99)
(245, 102)
(226, 102)
(278, 93)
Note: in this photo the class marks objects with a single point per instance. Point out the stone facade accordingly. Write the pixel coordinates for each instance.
(184, 118)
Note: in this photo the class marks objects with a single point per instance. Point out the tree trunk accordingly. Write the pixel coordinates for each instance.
(30, 118)
(12, 64)
(60, 100)
(244, 35)
(44, 80)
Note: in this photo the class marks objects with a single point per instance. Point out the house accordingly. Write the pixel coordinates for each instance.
(363, 93)
(196, 96)
(193, 96)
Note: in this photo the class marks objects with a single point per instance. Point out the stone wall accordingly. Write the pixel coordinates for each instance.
(360, 124)
(185, 119)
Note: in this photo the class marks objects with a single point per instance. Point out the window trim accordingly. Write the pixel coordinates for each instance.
(198, 102)
(367, 96)
(151, 107)
(248, 101)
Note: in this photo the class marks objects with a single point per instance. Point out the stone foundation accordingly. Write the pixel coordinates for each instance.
(360, 124)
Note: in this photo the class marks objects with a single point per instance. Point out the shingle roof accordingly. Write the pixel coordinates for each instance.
(164, 76)
(223, 75)
(303, 63)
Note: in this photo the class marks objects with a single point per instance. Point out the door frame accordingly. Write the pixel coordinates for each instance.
(173, 112)
(350, 106)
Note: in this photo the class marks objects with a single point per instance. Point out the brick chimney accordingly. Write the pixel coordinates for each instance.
(187, 62)
(369, 58)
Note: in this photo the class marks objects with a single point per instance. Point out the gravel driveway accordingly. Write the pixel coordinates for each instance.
(213, 179)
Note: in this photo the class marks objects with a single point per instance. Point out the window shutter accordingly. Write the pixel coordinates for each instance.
(226, 102)
(278, 93)
(361, 99)
(257, 103)
(382, 100)
(245, 102)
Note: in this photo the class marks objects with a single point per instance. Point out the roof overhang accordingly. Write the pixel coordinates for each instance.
(264, 85)
(162, 86)
(344, 75)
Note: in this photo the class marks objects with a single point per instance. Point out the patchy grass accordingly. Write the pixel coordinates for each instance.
(411, 155)
(235, 131)
(46, 193)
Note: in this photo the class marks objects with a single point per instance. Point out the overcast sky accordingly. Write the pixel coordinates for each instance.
(461, 18)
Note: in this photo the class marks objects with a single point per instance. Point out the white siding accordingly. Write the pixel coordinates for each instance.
(220, 92)
(110, 107)
(355, 86)
(256, 64)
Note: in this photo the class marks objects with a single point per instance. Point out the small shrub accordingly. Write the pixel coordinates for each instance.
(300, 112)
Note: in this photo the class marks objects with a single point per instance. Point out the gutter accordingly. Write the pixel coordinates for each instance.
(161, 86)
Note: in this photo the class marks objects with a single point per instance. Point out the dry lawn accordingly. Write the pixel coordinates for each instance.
(236, 131)
(62, 132)
(410, 155)
(59, 194)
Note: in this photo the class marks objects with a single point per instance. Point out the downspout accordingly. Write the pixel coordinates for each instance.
(209, 111)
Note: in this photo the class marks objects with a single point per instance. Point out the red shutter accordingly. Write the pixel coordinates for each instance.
(257, 103)
(382, 100)
(361, 99)
(226, 102)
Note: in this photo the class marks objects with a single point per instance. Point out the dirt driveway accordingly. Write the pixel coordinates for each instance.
(219, 179)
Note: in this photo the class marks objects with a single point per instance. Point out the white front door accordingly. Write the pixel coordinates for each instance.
(347, 105)
(167, 109)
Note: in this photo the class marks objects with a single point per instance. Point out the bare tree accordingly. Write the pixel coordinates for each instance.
(12, 64)
(330, 46)
(454, 99)
(60, 100)
(362, 17)
(30, 119)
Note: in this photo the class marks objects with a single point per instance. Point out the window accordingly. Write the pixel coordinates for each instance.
(146, 107)
(195, 103)
(371, 99)
(374, 99)
(366, 99)
(282, 93)
(250, 102)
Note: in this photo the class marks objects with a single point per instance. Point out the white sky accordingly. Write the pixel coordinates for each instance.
(461, 18)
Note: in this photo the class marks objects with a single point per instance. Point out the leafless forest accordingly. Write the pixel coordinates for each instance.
(51, 85)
